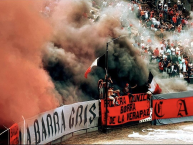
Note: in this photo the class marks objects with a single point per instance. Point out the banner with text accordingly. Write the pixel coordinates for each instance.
(14, 134)
(172, 108)
(53, 124)
(131, 108)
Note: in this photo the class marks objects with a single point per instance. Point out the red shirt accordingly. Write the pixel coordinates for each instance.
(161, 66)
(177, 14)
(183, 21)
(151, 14)
(174, 19)
(186, 62)
(171, 13)
(156, 52)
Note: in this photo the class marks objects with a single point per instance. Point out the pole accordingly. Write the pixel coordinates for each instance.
(23, 130)
(106, 65)
(8, 133)
(4, 131)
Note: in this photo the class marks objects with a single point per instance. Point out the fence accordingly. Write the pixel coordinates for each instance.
(57, 125)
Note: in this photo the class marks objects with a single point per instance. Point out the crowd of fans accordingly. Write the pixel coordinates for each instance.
(173, 55)
(162, 17)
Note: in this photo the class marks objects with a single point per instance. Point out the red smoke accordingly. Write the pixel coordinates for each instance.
(25, 88)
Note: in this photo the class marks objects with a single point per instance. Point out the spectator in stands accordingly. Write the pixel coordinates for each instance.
(159, 6)
(168, 53)
(173, 53)
(165, 12)
(152, 14)
(177, 50)
(174, 20)
(169, 68)
(156, 52)
(165, 62)
(161, 65)
(176, 70)
(189, 72)
(183, 66)
(169, 3)
(161, 33)
(162, 51)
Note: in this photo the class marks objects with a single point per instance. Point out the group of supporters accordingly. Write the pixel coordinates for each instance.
(111, 93)
(163, 17)
(175, 60)
(174, 57)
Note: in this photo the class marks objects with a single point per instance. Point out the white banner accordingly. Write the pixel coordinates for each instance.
(53, 124)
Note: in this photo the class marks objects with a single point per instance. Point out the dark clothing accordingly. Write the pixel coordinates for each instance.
(189, 72)
(127, 90)
(165, 62)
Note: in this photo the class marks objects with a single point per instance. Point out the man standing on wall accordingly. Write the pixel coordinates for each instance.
(128, 90)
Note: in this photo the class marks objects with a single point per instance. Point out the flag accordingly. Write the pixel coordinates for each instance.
(100, 61)
(154, 87)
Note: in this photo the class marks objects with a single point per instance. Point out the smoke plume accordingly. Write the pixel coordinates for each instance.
(77, 41)
(47, 47)
(25, 87)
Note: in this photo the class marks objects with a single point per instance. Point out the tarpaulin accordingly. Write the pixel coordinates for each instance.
(172, 120)
(127, 111)
(173, 95)
(172, 108)
(51, 125)
(14, 134)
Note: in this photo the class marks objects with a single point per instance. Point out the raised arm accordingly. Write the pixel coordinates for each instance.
(134, 86)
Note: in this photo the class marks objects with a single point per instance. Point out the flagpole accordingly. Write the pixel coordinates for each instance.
(106, 65)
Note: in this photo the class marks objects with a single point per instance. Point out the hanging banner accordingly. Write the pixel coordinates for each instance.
(172, 108)
(14, 134)
(53, 124)
(127, 111)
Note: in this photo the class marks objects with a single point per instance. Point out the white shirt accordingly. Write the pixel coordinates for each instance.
(173, 51)
(164, 48)
(162, 52)
(172, 67)
(142, 45)
(183, 62)
(178, 50)
(164, 56)
(146, 14)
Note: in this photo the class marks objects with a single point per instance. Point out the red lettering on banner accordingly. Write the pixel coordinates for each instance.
(127, 111)
(172, 108)
(140, 97)
(14, 134)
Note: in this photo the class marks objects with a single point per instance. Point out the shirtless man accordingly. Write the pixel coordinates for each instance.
(111, 95)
